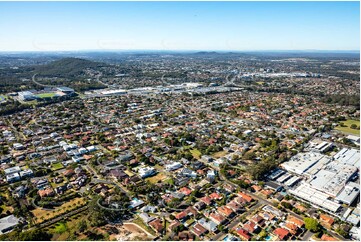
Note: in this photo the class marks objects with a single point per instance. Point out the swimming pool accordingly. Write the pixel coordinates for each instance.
(268, 237)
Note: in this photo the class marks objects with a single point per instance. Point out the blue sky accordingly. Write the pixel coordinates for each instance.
(45, 26)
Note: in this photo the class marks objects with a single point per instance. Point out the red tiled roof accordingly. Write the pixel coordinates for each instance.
(243, 234)
(225, 211)
(215, 196)
(325, 237)
(281, 233)
(185, 190)
(217, 218)
(326, 219)
(181, 215)
(295, 221)
(198, 230)
(206, 200)
(157, 225)
(245, 197)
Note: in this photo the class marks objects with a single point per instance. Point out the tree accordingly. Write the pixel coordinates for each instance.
(312, 225)
(353, 126)
(262, 234)
(342, 232)
(82, 226)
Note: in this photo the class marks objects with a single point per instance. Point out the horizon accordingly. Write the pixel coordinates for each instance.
(180, 26)
(181, 51)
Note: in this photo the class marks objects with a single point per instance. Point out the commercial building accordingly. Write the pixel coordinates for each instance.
(114, 92)
(65, 90)
(349, 194)
(26, 96)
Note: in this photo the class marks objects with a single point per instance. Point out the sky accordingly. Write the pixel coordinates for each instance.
(237, 26)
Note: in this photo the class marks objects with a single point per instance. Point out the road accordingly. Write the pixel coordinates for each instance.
(307, 236)
(38, 83)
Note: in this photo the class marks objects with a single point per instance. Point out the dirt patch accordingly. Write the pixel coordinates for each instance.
(131, 232)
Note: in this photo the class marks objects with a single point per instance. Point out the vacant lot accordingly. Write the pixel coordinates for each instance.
(159, 177)
(348, 129)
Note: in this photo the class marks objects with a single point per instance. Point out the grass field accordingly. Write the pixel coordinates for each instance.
(140, 222)
(45, 95)
(56, 166)
(220, 154)
(159, 177)
(196, 153)
(347, 129)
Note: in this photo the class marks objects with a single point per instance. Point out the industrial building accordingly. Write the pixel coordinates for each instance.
(301, 162)
(333, 178)
(349, 194)
(348, 156)
(318, 198)
(327, 180)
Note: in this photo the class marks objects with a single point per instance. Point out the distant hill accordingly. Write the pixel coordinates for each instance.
(67, 67)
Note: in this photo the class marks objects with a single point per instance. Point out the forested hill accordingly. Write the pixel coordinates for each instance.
(67, 67)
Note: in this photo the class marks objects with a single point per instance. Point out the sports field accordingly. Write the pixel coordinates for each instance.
(45, 95)
(348, 129)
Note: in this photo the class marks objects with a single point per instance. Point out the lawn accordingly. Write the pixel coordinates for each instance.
(219, 154)
(196, 153)
(129, 173)
(190, 221)
(2, 98)
(57, 166)
(347, 129)
(159, 177)
(6, 208)
(60, 228)
(45, 95)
